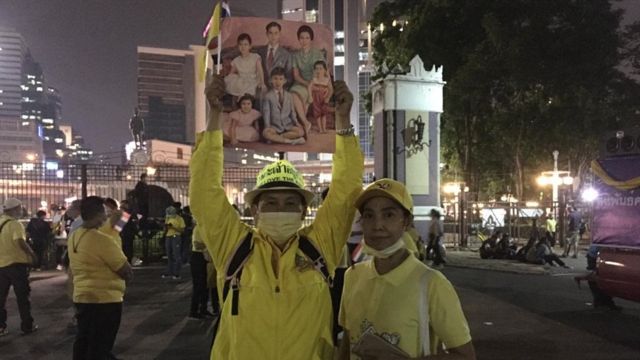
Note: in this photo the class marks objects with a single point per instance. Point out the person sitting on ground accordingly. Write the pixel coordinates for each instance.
(504, 248)
(544, 254)
(489, 246)
(394, 306)
(277, 305)
(280, 121)
(521, 255)
(100, 270)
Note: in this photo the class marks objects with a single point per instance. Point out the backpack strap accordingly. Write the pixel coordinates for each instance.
(234, 271)
(319, 263)
(3, 224)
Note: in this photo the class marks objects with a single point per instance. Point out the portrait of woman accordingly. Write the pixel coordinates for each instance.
(303, 62)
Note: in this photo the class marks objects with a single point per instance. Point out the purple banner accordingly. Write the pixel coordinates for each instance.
(616, 215)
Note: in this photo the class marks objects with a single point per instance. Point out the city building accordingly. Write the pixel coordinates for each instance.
(166, 91)
(18, 138)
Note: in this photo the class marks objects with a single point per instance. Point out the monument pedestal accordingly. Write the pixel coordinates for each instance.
(406, 109)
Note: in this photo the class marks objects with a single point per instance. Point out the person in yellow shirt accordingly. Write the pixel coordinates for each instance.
(15, 258)
(277, 305)
(394, 306)
(100, 270)
(174, 226)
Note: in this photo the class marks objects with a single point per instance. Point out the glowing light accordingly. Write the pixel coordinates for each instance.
(60, 174)
(567, 180)
(532, 204)
(151, 170)
(589, 194)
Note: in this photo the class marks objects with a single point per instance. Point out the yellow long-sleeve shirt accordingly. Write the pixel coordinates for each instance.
(284, 313)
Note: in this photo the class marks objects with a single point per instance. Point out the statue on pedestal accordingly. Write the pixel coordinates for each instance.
(136, 124)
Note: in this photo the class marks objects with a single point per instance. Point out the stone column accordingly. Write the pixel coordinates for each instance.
(406, 109)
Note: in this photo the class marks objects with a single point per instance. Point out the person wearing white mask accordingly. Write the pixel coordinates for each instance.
(274, 279)
(394, 306)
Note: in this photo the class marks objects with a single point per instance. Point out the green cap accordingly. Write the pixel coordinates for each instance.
(280, 175)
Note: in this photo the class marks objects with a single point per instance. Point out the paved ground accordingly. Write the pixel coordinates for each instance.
(521, 316)
(515, 311)
(154, 323)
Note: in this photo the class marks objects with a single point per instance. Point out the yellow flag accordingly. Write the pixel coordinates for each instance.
(210, 34)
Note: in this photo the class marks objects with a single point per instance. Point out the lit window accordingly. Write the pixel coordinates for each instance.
(25, 123)
(58, 140)
(39, 88)
(1, 91)
(24, 117)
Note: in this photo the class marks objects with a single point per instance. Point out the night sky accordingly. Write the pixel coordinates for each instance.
(87, 49)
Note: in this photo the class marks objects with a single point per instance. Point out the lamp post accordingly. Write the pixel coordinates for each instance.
(458, 190)
(557, 178)
(554, 195)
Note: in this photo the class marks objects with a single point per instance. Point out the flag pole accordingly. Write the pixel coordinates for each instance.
(219, 65)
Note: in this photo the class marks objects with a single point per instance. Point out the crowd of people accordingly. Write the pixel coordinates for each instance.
(276, 286)
(539, 247)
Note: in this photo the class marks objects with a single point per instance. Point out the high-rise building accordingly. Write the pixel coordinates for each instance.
(18, 137)
(166, 93)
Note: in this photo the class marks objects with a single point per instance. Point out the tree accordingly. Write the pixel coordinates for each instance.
(524, 77)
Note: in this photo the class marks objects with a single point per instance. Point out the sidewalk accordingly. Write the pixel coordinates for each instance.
(154, 320)
(471, 259)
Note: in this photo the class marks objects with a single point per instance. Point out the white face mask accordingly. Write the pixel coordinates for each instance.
(279, 226)
(384, 253)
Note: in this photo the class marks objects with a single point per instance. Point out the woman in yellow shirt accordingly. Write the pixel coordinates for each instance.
(394, 306)
(100, 270)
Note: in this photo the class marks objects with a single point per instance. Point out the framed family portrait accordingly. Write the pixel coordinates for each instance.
(279, 85)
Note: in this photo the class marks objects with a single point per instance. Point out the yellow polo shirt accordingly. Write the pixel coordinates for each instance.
(10, 237)
(284, 311)
(94, 259)
(108, 230)
(389, 305)
(177, 225)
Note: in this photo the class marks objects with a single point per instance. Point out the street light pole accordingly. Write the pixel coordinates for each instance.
(554, 183)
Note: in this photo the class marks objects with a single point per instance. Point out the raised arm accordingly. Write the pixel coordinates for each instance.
(335, 216)
(219, 224)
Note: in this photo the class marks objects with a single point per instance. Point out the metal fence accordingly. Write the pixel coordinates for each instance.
(40, 185)
(43, 185)
(478, 220)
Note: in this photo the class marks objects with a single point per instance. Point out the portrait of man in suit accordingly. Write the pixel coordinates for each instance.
(275, 55)
(280, 121)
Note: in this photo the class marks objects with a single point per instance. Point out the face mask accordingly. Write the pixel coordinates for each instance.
(384, 253)
(279, 226)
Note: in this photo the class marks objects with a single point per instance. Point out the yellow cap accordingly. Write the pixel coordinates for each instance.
(388, 188)
(280, 175)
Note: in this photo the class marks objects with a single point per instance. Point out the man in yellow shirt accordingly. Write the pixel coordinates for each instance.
(100, 270)
(280, 306)
(174, 226)
(394, 306)
(15, 258)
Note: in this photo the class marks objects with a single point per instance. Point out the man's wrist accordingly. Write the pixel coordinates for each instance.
(345, 131)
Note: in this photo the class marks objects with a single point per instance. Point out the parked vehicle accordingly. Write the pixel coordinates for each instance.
(616, 217)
